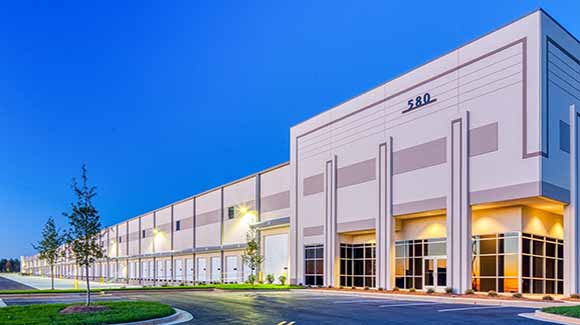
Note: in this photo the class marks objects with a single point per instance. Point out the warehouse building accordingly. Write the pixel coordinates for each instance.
(461, 173)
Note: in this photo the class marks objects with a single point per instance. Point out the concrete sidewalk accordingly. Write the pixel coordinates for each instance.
(44, 282)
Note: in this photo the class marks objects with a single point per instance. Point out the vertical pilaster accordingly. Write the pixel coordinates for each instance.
(222, 237)
(459, 233)
(385, 221)
(571, 214)
(330, 247)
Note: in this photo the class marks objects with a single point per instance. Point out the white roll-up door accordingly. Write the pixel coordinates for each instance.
(276, 255)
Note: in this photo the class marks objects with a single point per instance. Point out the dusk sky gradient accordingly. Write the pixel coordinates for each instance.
(165, 99)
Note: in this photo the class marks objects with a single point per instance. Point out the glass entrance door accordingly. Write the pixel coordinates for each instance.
(434, 272)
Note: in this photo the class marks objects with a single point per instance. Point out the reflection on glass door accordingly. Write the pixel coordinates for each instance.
(434, 272)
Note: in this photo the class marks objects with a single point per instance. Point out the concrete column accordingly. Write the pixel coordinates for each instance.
(330, 247)
(571, 214)
(385, 222)
(459, 233)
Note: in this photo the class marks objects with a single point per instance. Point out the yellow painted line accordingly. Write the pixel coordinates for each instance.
(282, 323)
(291, 323)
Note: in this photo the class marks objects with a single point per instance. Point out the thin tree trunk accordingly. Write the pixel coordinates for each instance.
(51, 276)
(88, 285)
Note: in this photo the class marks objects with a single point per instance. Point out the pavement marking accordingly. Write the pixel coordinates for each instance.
(2, 303)
(412, 304)
(358, 300)
(468, 308)
(282, 323)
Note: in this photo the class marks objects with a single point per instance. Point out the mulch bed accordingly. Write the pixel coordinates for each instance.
(439, 294)
(82, 309)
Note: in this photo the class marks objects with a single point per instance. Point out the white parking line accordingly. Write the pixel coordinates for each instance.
(469, 308)
(2, 303)
(356, 301)
(412, 304)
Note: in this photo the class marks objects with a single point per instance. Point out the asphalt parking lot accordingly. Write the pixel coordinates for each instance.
(7, 284)
(296, 308)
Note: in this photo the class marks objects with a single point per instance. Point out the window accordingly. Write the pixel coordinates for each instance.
(314, 265)
(495, 262)
(357, 265)
(231, 212)
(120, 239)
(144, 233)
(409, 256)
(178, 225)
(542, 264)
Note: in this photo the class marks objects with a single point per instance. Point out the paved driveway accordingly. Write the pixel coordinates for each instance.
(297, 308)
(7, 284)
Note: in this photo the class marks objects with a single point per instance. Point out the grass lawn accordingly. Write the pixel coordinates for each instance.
(570, 311)
(246, 286)
(240, 286)
(119, 312)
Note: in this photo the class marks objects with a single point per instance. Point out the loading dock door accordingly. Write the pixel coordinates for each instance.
(276, 259)
(216, 269)
(231, 269)
(179, 270)
(189, 268)
(201, 269)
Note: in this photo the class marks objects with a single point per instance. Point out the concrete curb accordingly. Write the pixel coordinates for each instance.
(455, 300)
(552, 318)
(2, 303)
(180, 316)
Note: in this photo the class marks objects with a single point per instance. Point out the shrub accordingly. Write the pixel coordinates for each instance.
(396, 289)
(492, 293)
(430, 291)
(251, 279)
(469, 292)
(270, 278)
(165, 285)
(366, 288)
(282, 279)
(329, 286)
(575, 296)
(182, 284)
(353, 287)
(449, 290)
(548, 298)
(412, 290)
(300, 284)
(380, 289)
(517, 295)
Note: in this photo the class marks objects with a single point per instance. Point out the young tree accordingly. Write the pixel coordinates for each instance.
(251, 256)
(8, 266)
(49, 247)
(3, 265)
(84, 234)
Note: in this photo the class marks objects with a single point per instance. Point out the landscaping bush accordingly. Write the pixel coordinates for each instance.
(366, 288)
(469, 292)
(251, 279)
(270, 278)
(282, 279)
(548, 298)
(412, 290)
(353, 287)
(330, 287)
(449, 290)
(430, 291)
(517, 295)
(396, 289)
(492, 293)
(575, 296)
(380, 289)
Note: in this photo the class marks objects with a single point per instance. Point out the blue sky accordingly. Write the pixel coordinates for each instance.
(164, 99)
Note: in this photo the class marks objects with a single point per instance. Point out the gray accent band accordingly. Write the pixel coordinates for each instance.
(313, 231)
(510, 192)
(555, 192)
(358, 173)
(313, 184)
(207, 218)
(420, 156)
(275, 202)
(420, 206)
(272, 223)
(483, 139)
(356, 225)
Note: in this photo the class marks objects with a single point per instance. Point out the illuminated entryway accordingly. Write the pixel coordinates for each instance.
(357, 265)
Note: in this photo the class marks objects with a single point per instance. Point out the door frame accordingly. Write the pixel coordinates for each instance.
(435, 260)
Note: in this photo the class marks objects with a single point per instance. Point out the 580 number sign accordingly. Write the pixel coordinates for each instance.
(419, 101)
